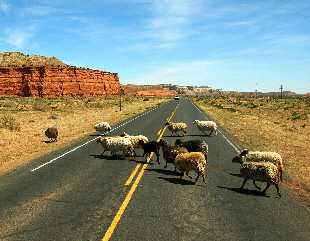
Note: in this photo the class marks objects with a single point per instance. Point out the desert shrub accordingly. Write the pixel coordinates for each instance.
(10, 123)
(41, 106)
(95, 105)
(10, 104)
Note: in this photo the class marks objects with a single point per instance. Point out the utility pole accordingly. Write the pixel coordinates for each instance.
(281, 88)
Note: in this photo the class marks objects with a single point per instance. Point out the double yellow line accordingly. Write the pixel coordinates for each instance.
(122, 209)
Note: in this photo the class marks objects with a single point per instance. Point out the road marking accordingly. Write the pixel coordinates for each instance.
(132, 175)
(123, 207)
(236, 148)
(74, 149)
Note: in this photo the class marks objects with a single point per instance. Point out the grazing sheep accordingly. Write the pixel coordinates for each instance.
(206, 126)
(102, 127)
(260, 171)
(52, 133)
(175, 127)
(116, 144)
(259, 156)
(193, 161)
(194, 146)
(148, 147)
(135, 140)
(170, 151)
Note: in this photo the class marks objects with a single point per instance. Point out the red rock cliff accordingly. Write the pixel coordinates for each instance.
(54, 82)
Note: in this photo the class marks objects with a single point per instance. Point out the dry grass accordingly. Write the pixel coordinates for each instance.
(74, 119)
(265, 124)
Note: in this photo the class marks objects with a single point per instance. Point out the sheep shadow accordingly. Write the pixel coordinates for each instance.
(178, 181)
(249, 192)
(235, 174)
(107, 157)
(48, 142)
(164, 171)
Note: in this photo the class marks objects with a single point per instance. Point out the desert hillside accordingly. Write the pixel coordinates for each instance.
(17, 59)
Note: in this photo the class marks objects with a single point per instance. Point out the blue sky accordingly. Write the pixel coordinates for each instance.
(224, 44)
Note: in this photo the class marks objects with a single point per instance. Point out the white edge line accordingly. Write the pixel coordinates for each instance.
(56, 158)
(236, 149)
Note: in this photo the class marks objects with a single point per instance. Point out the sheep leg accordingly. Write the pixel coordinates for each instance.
(268, 185)
(278, 191)
(256, 185)
(188, 175)
(243, 183)
(203, 177)
(157, 154)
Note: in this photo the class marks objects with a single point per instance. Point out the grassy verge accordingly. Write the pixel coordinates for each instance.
(265, 124)
(23, 121)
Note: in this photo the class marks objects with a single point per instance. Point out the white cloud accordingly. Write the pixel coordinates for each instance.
(19, 37)
(4, 7)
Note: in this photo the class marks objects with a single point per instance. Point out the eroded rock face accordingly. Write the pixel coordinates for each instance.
(57, 82)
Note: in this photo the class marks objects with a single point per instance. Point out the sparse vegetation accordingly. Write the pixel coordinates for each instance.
(34, 115)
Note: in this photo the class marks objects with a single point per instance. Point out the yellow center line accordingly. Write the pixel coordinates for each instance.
(132, 175)
(122, 209)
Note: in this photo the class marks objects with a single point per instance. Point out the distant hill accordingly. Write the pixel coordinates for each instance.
(17, 59)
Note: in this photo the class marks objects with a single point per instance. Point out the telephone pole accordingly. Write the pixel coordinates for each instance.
(281, 88)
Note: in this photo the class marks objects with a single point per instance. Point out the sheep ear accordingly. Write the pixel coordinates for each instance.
(244, 152)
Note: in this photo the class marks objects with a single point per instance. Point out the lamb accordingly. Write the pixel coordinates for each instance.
(258, 156)
(102, 127)
(194, 146)
(52, 133)
(193, 161)
(170, 151)
(175, 127)
(260, 171)
(206, 126)
(148, 147)
(116, 144)
(135, 140)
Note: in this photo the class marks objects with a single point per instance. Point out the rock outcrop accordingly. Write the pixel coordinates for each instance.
(57, 82)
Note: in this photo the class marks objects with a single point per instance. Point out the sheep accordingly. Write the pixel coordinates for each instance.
(192, 161)
(175, 127)
(148, 147)
(194, 146)
(260, 171)
(52, 133)
(115, 144)
(135, 140)
(168, 153)
(102, 127)
(206, 126)
(259, 156)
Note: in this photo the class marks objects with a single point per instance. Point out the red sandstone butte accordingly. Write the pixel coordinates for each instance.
(57, 82)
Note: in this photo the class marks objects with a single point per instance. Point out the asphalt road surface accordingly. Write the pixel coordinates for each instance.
(78, 194)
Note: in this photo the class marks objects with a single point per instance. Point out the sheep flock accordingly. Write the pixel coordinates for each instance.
(192, 155)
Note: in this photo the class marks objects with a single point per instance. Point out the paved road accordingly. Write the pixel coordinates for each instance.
(77, 194)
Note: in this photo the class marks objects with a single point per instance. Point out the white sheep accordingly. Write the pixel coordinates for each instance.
(260, 171)
(102, 127)
(261, 156)
(193, 161)
(206, 126)
(116, 144)
(51, 133)
(135, 140)
(175, 127)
